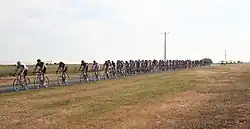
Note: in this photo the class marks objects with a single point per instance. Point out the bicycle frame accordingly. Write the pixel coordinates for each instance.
(20, 78)
(39, 76)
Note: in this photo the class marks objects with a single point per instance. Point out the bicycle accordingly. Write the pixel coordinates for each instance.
(84, 77)
(62, 78)
(19, 82)
(39, 81)
(113, 74)
(96, 76)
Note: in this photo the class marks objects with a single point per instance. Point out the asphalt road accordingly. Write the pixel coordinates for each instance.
(53, 84)
(72, 81)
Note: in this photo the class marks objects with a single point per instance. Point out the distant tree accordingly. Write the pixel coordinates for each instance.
(222, 62)
(55, 63)
(206, 61)
(239, 62)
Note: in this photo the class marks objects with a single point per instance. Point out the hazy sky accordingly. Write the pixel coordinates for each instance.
(72, 30)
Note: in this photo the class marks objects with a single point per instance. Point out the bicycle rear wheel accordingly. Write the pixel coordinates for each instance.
(28, 83)
(46, 82)
(81, 78)
(60, 80)
(84, 78)
(17, 86)
(37, 82)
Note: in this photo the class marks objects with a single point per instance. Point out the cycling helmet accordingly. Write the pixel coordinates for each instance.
(82, 61)
(18, 62)
(38, 60)
(61, 63)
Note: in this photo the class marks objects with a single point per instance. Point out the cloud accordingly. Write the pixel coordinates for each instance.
(75, 29)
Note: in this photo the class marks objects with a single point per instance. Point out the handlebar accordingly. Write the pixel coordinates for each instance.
(36, 73)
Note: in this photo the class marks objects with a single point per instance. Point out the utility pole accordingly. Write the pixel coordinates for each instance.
(165, 45)
(225, 55)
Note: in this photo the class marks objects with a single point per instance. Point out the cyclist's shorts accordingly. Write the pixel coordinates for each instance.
(66, 69)
(25, 72)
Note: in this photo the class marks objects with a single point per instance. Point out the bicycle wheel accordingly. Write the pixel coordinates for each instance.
(28, 81)
(37, 82)
(84, 78)
(46, 82)
(17, 86)
(60, 80)
(81, 78)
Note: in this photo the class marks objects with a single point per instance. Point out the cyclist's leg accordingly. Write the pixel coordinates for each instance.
(96, 73)
(25, 73)
(85, 73)
(19, 77)
(43, 72)
(64, 74)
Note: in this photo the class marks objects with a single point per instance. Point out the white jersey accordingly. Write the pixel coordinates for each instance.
(24, 66)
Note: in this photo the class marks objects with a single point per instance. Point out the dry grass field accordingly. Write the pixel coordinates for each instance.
(211, 98)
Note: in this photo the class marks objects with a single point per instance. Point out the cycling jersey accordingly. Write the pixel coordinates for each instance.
(24, 69)
(96, 66)
(113, 64)
(42, 66)
(106, 65)
(85, 66)
(63, 67)
(137, 64)
(22, 66)
(127, 65)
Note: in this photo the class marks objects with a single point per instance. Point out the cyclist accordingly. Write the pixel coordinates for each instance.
(137, 64)
(42, 67)
(96, 68)
(23, 70)
(63, 68)
(127, 68)
(119, 66)
(106, 68)
(113, 69)
(84, 68)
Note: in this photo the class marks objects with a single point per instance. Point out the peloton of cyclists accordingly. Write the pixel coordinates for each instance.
(112, 68)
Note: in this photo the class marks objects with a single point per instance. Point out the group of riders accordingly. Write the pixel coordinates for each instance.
(111, 68)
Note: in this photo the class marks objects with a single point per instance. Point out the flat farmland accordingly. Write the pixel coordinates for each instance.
(211, 97)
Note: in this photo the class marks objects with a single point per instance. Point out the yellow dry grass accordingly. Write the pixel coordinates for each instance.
(215, 97)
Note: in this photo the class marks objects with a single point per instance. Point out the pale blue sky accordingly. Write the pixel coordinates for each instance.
(72, 30)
